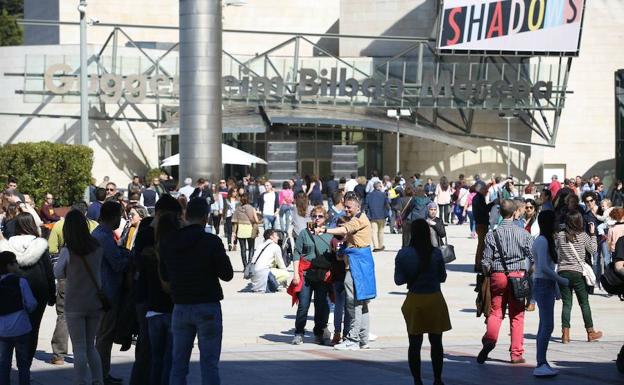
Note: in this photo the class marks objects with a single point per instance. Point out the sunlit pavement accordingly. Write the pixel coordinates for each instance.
(258, 329)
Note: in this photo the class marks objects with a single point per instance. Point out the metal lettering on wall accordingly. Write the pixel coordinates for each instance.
(324, 86)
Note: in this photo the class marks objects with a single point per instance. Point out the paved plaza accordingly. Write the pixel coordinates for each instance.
(258, 329)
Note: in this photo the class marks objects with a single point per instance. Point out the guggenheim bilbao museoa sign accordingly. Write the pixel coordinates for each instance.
(333, 85)
(511, 26)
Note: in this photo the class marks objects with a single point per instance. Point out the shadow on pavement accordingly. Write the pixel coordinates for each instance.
(329, 367)
(459, 267)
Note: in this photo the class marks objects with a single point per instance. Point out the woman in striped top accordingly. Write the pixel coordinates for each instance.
(572, 244)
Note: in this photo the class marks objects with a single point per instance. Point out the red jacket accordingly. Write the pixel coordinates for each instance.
(293, 289)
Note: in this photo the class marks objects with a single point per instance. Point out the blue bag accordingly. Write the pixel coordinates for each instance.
(362, 267)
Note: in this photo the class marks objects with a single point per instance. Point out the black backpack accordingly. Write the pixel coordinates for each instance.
(11, 294)
(612, 281)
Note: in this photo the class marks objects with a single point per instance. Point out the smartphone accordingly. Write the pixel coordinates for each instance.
(311, 226)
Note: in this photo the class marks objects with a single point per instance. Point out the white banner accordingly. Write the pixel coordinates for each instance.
(511, 26)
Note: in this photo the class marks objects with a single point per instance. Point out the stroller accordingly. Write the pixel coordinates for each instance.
(285, 243)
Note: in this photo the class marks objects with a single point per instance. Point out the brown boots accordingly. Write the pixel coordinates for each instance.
(565, 335)
(593, 335)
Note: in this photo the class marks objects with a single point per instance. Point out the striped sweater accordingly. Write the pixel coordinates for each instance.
(582, 244)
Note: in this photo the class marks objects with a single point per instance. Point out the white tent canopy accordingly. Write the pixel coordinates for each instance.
(229, 155)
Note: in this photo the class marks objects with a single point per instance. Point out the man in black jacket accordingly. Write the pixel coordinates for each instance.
(481, 212)
(193, 261)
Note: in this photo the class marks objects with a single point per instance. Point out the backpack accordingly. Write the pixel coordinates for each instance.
(11, 294)
(612, 281)
(418, 209)
(392, 193)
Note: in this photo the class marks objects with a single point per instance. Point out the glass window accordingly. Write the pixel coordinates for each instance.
(306, 150)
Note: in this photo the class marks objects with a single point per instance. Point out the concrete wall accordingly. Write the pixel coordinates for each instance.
(264, 15)
(586, 141)
(384, 17)
(121, 149)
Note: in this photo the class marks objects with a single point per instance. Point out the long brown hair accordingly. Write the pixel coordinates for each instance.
(301, 202)
(573, 225)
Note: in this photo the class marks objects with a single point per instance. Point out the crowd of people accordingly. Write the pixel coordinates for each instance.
(144, 265)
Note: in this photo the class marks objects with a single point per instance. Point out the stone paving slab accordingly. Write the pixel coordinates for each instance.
(258, 329)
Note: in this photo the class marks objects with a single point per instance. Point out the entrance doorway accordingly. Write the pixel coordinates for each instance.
(318, 167)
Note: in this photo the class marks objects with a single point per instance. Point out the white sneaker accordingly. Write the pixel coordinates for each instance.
(327, 337)
(372, 337)
(347, 345)
(544, 370)
(298, 340)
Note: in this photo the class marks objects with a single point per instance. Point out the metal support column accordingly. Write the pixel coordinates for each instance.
(84, 90)
(200, 89)
(398, 144)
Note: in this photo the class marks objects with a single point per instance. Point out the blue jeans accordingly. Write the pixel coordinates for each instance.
(321, 308)
(161, 345)
(284, 213)
(339, 309)
(473, 223)
(205, 321)
(602, 260)
(21, 344)
(544, 292)
(269, 221)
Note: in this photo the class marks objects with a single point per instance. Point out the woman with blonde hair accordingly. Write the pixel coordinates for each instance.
(313, 250)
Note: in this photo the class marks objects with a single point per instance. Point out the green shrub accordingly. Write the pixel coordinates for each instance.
(151, 174)
(62, 169)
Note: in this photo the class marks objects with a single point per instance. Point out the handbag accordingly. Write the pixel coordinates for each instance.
(106, 304)
(612, 281)
(520, 286)
(588, 271)
(448, 251)
(249, 270)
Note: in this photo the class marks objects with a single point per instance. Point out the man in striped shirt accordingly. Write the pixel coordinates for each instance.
(516, 244)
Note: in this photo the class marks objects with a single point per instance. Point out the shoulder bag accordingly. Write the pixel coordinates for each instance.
(106, 304)
(249, 270)
(520, 286)
(401, 217)
(588, 271)
(448, 251)
(320, 265)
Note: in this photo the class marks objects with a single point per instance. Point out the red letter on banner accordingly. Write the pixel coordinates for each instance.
(497, 21)
(454, 25)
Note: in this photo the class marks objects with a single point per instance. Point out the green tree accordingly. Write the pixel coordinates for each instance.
(61, 169)
(11, 33)
(13, 7)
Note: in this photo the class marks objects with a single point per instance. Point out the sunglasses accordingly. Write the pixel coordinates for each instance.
(529, 207)
(589, 200)
(318, 216)
(110, 189)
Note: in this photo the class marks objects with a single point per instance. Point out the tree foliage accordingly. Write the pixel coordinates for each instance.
(11, 33)
(62, 169)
